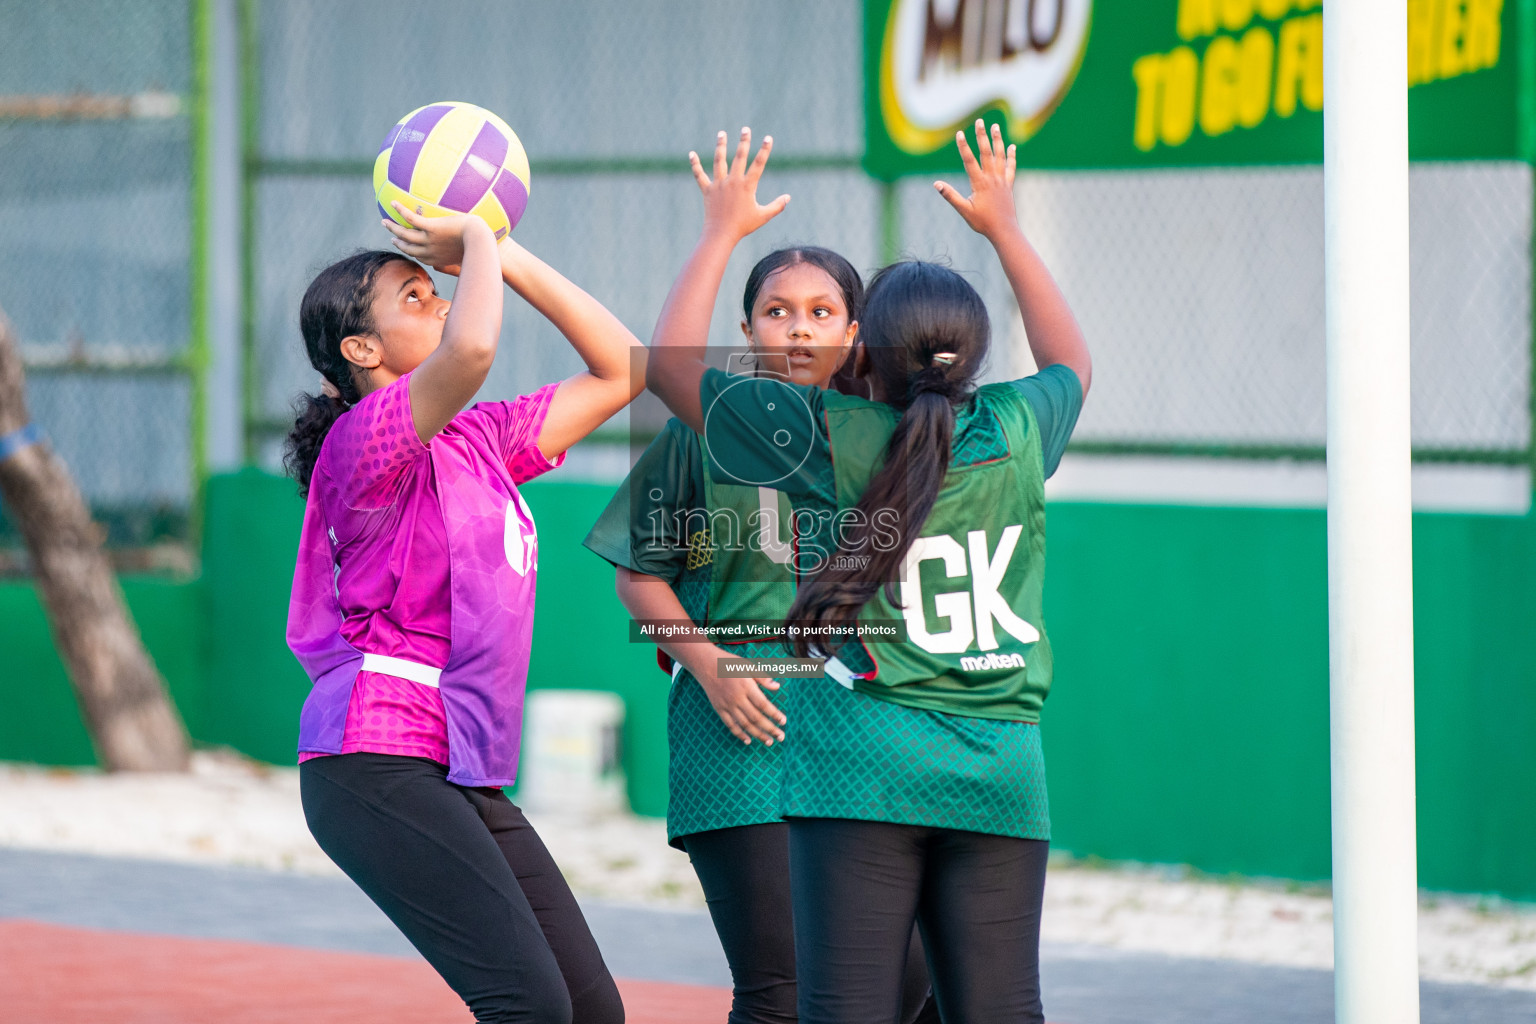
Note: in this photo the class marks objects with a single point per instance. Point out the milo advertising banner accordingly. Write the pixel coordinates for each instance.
(1163, 83)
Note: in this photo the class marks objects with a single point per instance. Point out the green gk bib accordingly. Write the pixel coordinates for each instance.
(970, 586)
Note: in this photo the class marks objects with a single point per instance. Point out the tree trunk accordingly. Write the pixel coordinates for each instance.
(122, 697)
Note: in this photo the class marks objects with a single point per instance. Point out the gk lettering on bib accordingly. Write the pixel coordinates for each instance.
(969, 587)
(972, 613)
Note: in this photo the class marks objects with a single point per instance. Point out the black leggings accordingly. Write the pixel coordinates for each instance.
(859, 885)
(744, 872)
(464, 876)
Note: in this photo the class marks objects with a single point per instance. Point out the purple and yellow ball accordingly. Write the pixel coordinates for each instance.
(448, 158)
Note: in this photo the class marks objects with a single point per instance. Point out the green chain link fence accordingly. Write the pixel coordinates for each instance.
(98, 136)
(1200, 290)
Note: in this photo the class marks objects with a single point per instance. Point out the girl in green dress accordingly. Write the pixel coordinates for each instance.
(711, 559)
(913, 778)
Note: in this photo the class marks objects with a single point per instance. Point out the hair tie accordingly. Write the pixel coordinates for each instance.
(328, 389)
(16, 440)
(946, 358)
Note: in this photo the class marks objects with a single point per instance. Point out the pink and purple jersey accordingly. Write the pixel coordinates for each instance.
(412, 606)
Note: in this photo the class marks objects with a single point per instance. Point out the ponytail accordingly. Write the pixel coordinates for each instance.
(926, 333)
(337, 305)
(316, 414)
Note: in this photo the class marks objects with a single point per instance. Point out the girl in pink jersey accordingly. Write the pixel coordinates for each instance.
(412, 605)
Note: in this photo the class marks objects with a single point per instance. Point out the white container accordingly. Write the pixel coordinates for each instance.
(570, 759)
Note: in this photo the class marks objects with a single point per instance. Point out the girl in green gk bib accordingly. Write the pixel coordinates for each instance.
(913, 778)
(713, 557)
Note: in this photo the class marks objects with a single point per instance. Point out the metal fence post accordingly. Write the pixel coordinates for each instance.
(217, 186)
(250, 141)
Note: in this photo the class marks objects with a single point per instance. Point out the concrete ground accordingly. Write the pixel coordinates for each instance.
(1083, 984)
(232, 812)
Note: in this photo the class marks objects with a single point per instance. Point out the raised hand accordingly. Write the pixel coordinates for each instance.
(730, 199)
(989, 209)
(436, 241)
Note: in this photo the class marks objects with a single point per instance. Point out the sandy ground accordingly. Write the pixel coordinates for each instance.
(232, 811)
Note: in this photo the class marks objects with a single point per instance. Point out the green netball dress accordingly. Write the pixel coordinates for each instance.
(938, 727)
(725, 550)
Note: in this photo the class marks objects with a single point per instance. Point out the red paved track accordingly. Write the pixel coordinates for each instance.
(55, 975)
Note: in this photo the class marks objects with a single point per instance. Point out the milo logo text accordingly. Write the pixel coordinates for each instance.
(942, 61)
(970, 33)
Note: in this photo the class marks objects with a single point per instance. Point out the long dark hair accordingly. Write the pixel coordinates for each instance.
(925, 332)
(337, 305)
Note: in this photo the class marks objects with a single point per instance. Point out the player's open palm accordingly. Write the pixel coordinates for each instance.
(989, 208)
(739, 700)
(730, 197)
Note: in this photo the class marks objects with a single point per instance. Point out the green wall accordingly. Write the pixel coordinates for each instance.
(39, 720)
(1189, 723)
(254, 687)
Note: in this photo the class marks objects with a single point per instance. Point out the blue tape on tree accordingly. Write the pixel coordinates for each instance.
(16, 440)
